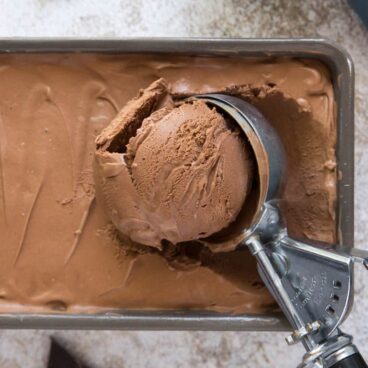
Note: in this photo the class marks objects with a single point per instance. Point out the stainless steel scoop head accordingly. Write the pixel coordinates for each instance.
(311, 282)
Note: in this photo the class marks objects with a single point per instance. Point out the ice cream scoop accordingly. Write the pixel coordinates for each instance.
(171, 173)
(269, 156)
(311, 282)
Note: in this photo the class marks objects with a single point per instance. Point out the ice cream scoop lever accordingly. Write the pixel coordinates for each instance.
(311, 282)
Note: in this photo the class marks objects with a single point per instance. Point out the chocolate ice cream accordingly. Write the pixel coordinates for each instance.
(58, 249)
(183, 175)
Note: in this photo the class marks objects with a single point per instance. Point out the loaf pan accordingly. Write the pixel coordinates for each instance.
(342, 72)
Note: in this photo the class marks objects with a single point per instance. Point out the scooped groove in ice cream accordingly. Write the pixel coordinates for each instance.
(167, 172)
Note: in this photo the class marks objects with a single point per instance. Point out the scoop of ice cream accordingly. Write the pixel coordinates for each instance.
(174, 173)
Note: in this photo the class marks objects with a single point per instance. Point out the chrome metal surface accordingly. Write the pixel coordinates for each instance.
(314, 291)
(275, 286)
(340, 355)
(319, 283)
(147, 320)
(312, 284)
(359, 256)
(298, 335)
(342, 74)
(328, 352)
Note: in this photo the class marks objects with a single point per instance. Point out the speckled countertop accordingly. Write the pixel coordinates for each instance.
(332, 19)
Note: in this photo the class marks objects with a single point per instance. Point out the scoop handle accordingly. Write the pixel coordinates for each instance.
(353, 361)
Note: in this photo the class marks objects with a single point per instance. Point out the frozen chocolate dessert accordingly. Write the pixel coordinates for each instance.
(105, 190)
(171, 173)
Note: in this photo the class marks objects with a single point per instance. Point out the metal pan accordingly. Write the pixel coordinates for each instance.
(342, 71)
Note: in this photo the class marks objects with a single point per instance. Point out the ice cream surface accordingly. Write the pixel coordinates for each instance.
(58, 249)
(183, 175)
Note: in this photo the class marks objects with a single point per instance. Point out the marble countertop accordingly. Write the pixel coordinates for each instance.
(332, 19)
